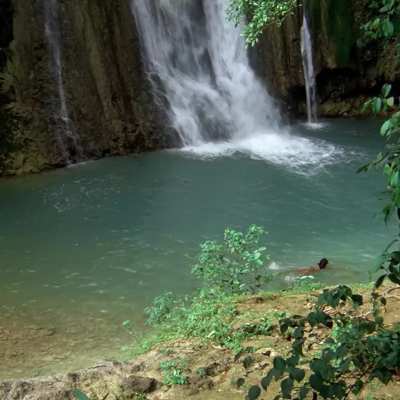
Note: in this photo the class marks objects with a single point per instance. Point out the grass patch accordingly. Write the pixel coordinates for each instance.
(173, 372)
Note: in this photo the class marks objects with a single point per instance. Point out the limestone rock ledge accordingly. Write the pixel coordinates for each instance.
(111, 379)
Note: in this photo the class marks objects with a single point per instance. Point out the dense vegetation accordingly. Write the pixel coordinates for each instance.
(226, 270)
(359, 349)
(260, 14)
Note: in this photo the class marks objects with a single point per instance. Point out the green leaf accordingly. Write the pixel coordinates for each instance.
(387, 27)
(79, 395)
(322, 369)
(240, 382)
(279, 364)
(298, 333)
(390, 101)
(379, 281)
(319, 317)
(303, 393)
(247, 362)
(297, 374)
(386, 89)
(386, 127)
(395, 278)
(266, 381)
(357, 299)
(377, 105)
(317, 383)
(338, 390)
(367, 105)
(287, 387)
(254, 393)
(358, 386)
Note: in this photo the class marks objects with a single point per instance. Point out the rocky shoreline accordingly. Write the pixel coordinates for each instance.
(207, 371)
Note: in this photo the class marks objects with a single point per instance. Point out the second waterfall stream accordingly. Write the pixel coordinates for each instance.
(198, 63)
(309, 70)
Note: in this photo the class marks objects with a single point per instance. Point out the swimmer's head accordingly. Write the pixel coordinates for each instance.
(323, 263)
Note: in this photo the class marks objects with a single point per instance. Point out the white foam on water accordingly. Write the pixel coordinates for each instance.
(274, 266)
(315, 125)
(284, 150)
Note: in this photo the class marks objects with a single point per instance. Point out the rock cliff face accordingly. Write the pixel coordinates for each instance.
(110, 106)
(346, 75)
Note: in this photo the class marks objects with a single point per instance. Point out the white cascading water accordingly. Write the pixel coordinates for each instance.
(66, 134)
(309, 71)
(199, 66)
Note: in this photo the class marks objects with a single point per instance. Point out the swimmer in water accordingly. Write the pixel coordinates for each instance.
(313, 270)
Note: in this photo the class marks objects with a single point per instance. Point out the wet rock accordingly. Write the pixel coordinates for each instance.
(344, 73)
(111, 78)
(217, 368)
(199, 384)
(265, 351)
(137, 368)
(238, 382)
(132, 385)
(247, 362)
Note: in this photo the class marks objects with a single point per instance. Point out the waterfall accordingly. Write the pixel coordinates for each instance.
(309, 71)
(199, 67)
(201, 61)
(67, 137)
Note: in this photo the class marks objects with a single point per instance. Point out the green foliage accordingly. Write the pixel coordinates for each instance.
(381, 104)
(207, 315)
(227, 269)
(173, 372)
(384, 22)
(304, 284)
(358, 351)
(386, 26)
(140, 396)
(389, 161)
(161, 309)
(237, 265)
(259, 14)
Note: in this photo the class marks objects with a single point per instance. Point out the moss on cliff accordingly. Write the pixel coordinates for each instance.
(345, 74)
(334, 25)
(107, 93)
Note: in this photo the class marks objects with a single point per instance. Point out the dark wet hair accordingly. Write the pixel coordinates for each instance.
(323, 263)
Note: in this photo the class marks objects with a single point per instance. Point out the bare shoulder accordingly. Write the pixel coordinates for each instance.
(307, 271)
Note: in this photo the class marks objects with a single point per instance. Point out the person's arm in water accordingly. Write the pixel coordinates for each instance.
(307, 271)
(313, 270)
